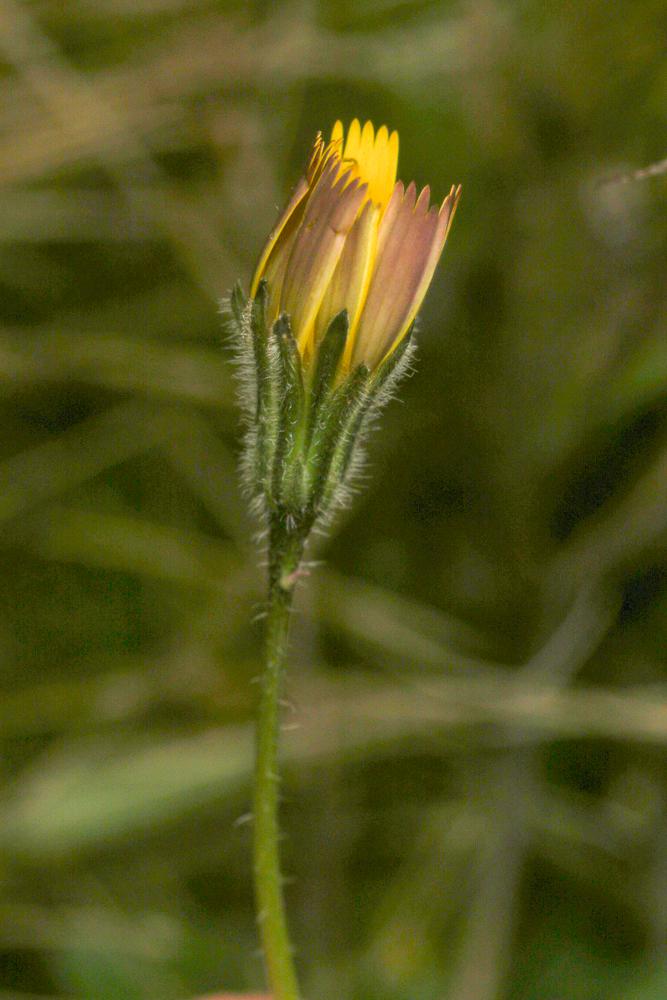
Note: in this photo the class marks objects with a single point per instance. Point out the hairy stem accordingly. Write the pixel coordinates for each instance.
(285, 553)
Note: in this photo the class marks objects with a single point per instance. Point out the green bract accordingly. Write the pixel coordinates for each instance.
(305, 425)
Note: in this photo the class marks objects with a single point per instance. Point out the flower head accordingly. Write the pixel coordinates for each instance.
(352, 237)
(322, 342)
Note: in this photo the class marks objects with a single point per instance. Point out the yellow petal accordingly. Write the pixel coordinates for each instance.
(369, 156)
(351, 151)
(378, 185)
(366, 154)
(337, 135)
(392, 166)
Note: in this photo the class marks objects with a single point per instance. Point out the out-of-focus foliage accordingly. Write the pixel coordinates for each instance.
(476, 788)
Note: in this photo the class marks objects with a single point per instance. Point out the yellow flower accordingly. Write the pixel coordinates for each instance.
(352, 237)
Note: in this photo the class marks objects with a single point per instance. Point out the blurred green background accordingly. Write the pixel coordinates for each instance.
(476, 779)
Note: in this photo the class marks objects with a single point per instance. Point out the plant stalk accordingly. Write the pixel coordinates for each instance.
(285, 551)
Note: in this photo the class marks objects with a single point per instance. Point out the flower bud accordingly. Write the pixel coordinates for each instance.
(352, 237)
(325, 335)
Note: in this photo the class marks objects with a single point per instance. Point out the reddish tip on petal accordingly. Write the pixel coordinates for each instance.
(423, 201)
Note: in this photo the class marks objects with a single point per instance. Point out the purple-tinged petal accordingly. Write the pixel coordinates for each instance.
(273, 242)
(329, 215)
(410, 251)
(404, 245)
(349, 285)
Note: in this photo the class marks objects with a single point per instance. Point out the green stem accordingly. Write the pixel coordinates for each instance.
(284, 556)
